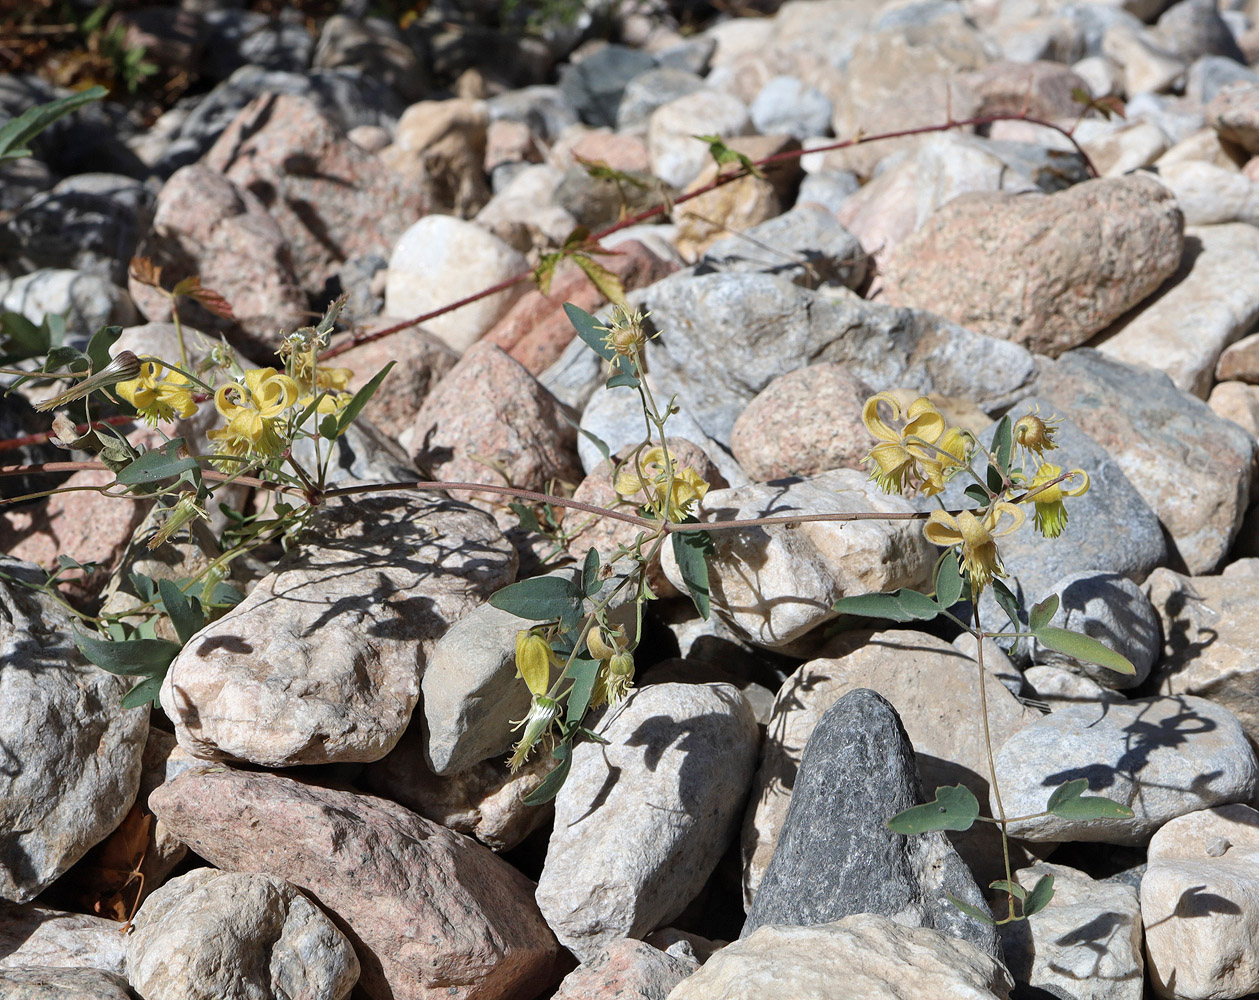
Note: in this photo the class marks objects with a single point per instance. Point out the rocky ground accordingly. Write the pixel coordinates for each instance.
(321, 807)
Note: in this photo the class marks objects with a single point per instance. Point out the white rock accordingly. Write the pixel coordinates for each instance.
(677, 156)
(642, 822)
(529, 200)
(1060, 688)
(33, 936)
(873, 958)
(441, 259)
(1145, 66)
(87, 301)
(213, 933)
(1210, 195)
(1118, 150)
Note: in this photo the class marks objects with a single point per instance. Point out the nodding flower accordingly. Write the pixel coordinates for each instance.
(124, 367)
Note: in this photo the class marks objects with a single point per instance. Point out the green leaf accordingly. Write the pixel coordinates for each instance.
(901, 606)
(583, 672)
(1013, 888)
(948, 580)
(98, 347)
(620, 379)
(23, 339)
(17, 132)
(1042, 892)
(528, 519)
(184, 612)
(587, 328)
(541, 599)
(955, 808)
(329, 426)
(691, 549)
(1084, 648)
(1003, 444)
(1009, 603)
(609, 284)
(1069, 802)
(355, 405)
(554, 781)
(144, 586)
(156, 465)
(978, 494)
(144, 657)
(1042, 614)
(971, 911)
(148, 690)
(590, 581)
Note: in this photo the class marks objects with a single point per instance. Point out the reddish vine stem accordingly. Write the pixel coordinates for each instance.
(722, 179)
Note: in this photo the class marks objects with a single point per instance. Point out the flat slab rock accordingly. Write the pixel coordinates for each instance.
(36, 936)
(36, 983)
(321, 662)
(432, 914)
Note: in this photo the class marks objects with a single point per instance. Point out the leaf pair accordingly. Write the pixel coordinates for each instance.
(956, 808)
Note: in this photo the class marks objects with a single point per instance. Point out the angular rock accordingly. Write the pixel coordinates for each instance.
(322, 661)
(438, 150)
(1238, 402)
(40, 983)
(724, 337)
(1206, 306)
(523, 211)
(775, 583)
(911, 670)
(428, 911)
(441, 259)
(1039, 271)
(1086, 944)
(1200, 903)
(625, 968)
(1161, 757)
(1155, 432)
(87, 301)
(1240, 361)
(73, 752)
(1234, 114)
(642, 822)
(213, 933)
(37, 937)
(876, 958)
(650, 90)
(677, 156)
(596, 84)
(331, 200)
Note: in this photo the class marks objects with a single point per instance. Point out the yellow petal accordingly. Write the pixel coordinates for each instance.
(874, 424)
(533, 661)
(993, 518)
(942, 529)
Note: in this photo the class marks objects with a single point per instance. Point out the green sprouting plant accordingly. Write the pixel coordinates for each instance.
(16, 133)
(125, 62)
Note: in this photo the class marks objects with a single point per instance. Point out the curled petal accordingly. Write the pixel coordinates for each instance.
(993, 518)
(942, 529)
(1077, 491)
(874, 424)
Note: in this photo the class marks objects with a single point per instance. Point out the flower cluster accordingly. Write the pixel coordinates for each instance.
(657, 478)
(922, 455)
(302, 351)
(252, 411)
(616, 666)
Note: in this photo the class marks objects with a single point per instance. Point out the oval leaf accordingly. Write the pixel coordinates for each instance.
(971, 911)
(691, 549)
(542, 599)
(1083, 647)
(583, 672)
(948, 580)
(955, 808)
(590, 573)
(1013, 888)
(902, 606)
(1069, 802)
(587, 328)
(156, 465)
(1042, 614)
(554, 781)
(1040, 895)
(147, 691)
(143, 657)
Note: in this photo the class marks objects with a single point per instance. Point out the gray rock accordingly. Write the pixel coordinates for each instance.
(87, 301)
(835, 856)
(38, 983)
(806, 244)
(89, 223)
(626, 968)
(1161, 757)
(1112, 609)
(648, 91)
(828, 188)
(362, 454)
(1154, 432)
(724, 337)
(1211, 74)
(573, 378)
(788, 106)
(321, 662)
(236, 38)
(212, 933)
(545, 109)
(37, 937)
(72, 753)
(1193, 28)
(374, 46)
(595, 85)
(642, 822)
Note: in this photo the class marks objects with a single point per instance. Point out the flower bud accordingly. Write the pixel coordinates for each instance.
(123, 368)
(600, 647)
(533, 661)
(1034, 434)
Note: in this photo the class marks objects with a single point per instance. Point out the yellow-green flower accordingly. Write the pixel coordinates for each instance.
(543, 712)
(676, 495)
(625, 335)
(252, 412)
(185, 510)
(157, 397)
(975, 538)
(533, 661)
(922, 455)
(1035, 434)
(1050, 517)
(614, 679)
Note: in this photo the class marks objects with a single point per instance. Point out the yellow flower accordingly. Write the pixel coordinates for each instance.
(1035, 434)
(156, 398)
(676, 494)
(1050, 517)
(975, 538)
(543, 712)
(615, 678)
(533, 661)
(263, 399)
(921, 455)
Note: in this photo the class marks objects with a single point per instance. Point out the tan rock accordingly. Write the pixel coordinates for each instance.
(1238, 402)
(34, 936)
(1240, 361)
(439, 149)
(1234, 114)
(625, 968)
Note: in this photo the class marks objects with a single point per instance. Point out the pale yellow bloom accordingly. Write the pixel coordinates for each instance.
(253, 410)
(1035, 434)
(1050, 517)
(156, 397)
(533, 661)
(921, 455)
(615, 678)
(975, 538)
(543, 712)
(625, 334)
(676, 494)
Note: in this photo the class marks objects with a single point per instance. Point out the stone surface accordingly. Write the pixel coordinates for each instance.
(1240, 361)
(74, 753)
(40, 983)
(1113, 610)
(1086, 944)
(1040, 271)
(776, 583)
(428, 911)
(1234, 114)
(331, 200)
(670, 782)
(1238, 402)
(1161, 757)
(87, 301)
(212, 933)
(911, 670)
(788, 106)
(438, 149)
(441, 259)
(1159, 436)
(37, 937)
(835, 855)
(625, 969)
(322, 661)
(874, 957)
(1200, 903)
(1205, 306)
(677, 156)
(1209, 194)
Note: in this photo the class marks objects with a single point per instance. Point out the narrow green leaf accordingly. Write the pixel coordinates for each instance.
(955, 808)
(971, 911)
(148, 690)
(590, 581)
(355, 405)
(184, 612)
(583, 672)
(691, 549)
(948, 580)
(21, 338)
(143, 657)
(156, 465)
(1013, 888)
(554, 781)
(587, 328)
(1042, 614)
(1069, 802)
(19, 131)
(1042, 892)
(1084, 648)
(541, 599)
(1009, 603)
(1003, 444)
(528, 519)
(896, 607)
